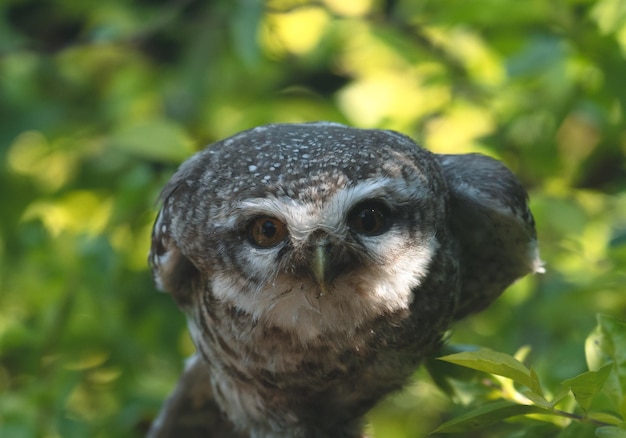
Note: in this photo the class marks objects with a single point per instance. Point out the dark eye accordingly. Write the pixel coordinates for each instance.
(370, 218)
(266, 232)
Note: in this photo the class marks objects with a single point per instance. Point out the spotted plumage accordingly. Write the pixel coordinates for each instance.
(319, 264)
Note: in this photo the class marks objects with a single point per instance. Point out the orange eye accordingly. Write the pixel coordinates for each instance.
(370, 218)
(266, 232)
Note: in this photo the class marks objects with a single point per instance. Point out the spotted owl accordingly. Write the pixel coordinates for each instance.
(319, 264)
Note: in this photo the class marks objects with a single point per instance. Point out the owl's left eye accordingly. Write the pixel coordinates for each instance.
(266, 232)
(370, 218)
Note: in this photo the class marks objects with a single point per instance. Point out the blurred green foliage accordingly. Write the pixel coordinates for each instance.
(100, 101)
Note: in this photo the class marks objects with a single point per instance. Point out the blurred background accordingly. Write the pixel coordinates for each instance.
(101, 101)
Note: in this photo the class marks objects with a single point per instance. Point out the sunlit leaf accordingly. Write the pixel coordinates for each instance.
(560, 395)
(159, 140)
(605, 345)
(586, 385)
(441, 373)
(606, 418)
(79, 211)
(489, 414)
(537, 399)
(535, 384)
(500, 364)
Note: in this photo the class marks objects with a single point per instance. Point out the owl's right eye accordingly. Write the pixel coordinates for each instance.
(266, 232)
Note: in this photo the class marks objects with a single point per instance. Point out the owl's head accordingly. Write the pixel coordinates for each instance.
(310, 227)
(314, 228)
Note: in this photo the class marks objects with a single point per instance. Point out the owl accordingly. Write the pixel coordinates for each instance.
(319, 264)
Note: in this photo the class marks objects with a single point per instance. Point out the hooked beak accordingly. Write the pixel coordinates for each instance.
(320, 267)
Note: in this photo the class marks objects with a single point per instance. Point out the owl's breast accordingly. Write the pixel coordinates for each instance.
(338, 379)
(286, 346)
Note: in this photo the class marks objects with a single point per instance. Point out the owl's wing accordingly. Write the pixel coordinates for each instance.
(191, 411)
(491, 221)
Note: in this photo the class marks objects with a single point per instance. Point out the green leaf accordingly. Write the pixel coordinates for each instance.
(244, 28)
(157, 139)
(606, 417)
(586, 385)
(607, 344)
(439, 378)
(535, 384)
(489, 414)
(577, 430)
(560, 395)
(442, 373)
(610, 432)
(536, 429)
(537, 399)
(500, 364)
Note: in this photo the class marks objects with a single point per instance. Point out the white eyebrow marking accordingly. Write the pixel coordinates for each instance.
(302, 217)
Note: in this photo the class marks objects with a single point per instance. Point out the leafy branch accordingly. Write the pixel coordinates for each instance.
(518, 392)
